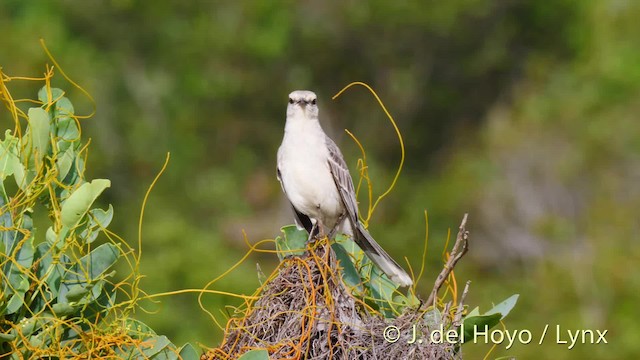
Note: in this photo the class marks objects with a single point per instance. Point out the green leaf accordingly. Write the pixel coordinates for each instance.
(17, 299)
(432, 317)
(99, 260)
(28, 326)
(505, 307)
(294, 242)
(350, 274)
(382, 290)
(51, 237)
(355, 253)
(9, 160)
(7, 337)
(55, 94)
(50, 273)
(153, 347)
(482, 322)
(89, 269)
(62, 309)
(137, 329)
(65, 128)
(8, 237)
(403, 301)
(38, 131)
(80, 201)
(17, 271)
(189, 352)
(77, 292)
(98, 220)
(63, 111)
(95, 306)
(474, 312)
(64, 163)
(258, 354)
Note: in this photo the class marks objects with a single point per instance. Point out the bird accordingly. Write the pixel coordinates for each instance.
(316, 180)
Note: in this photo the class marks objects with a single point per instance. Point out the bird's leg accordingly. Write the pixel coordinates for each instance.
(315, 230)
(320, 229)
(333, 231)
(312, 231)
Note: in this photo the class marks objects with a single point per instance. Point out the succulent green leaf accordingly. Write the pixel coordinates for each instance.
(28, 326)
(188, 352)
(474, 312)
(89, 269)
(8, 237)
(350, 274)
(63, 110)
(100, 259)
(17, 283)
(49, 272)
(17, 299)
(155, 347)
(7, 337)
(62, 309)
(98, 219)
(9, 160)
(469, 324)
(93, 306)
(51, 236)
(293, 242)
(64, 163)
(77, 292)
(80, 201)
(38, 131)
(505, 307)
(354, 251)
(137, 329)
(258, 354)
(43, 94)
(382, 290)
(432, 317)
(409, 300)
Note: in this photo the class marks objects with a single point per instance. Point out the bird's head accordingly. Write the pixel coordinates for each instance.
(303, 103)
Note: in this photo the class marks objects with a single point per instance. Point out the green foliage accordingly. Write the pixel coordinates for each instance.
(58, 291)
(255, 355)
(292, 242)
(489, 319)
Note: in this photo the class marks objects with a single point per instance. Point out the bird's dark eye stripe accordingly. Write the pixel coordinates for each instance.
(290, 101)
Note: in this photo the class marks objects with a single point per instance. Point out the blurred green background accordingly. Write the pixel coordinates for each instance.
(522, 113)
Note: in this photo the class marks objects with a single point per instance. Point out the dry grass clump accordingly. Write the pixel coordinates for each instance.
(306, 312)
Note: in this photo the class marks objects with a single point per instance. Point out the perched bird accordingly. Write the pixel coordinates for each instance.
(316, 180)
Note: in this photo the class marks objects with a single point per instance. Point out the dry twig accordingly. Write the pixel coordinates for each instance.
(462, 240)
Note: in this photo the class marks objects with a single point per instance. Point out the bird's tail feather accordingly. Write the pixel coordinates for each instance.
(380, 257)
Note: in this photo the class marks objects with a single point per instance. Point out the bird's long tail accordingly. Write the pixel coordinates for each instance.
(380, 257)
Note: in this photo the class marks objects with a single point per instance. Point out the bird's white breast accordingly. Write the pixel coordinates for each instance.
(305, 173)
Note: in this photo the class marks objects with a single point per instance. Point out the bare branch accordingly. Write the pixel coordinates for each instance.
(462, 240)
(458, 318)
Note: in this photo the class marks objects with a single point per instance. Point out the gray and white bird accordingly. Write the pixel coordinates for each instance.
(316, 180)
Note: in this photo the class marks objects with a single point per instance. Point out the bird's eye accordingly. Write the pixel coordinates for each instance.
(313, 102)
(290, 101)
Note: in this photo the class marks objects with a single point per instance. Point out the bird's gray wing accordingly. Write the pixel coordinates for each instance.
(302, 220)
(342, 178)
(361, 236)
